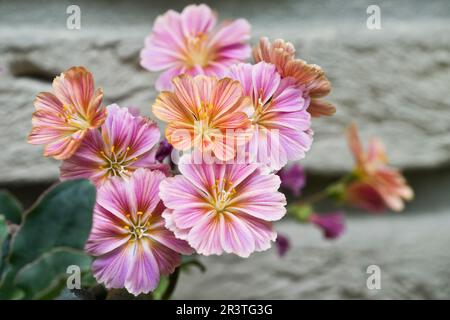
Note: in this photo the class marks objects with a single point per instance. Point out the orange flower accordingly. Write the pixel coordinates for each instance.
(205, 113)
(309, 77)
(377, 185)
(62, 119)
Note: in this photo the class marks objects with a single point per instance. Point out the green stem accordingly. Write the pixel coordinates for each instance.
(173, 279)
(331, 190)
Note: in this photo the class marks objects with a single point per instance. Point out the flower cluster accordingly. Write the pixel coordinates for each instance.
(237, 125)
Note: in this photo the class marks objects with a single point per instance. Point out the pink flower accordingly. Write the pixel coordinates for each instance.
(280, 121)
(206, 114)
(293, 178)
(332, 224)
(128, 238)
(222, 207)
(309, 77)
(376, 185)
(62, 119)
(186, 43)
(126, 142)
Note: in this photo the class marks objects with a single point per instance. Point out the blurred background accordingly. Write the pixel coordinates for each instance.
(393, 82)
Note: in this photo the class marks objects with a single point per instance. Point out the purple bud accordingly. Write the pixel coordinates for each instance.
(293, 178)
(164, 150)
(283, 245)
(332, 224)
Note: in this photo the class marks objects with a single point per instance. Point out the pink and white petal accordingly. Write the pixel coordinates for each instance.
(156, 58)
(167, 238)
(265, 80)
(231, 33)
(236, 237)
(262, 231)
(234, 53)
(287, 98)
(205, 236)
(144, 186)
(167, 32)
(167, 259)
(170, 224)
(200, 175)
(242, 72)
(177, 193)
(143, 274)
(116, 196)
(144, 135)
(197, 20)
(112, 269)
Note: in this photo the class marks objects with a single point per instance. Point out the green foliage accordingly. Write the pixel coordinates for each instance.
(50, 238)
(10, 208)
(300, 212)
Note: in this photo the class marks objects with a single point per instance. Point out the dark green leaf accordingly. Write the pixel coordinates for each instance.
(47, 276)
(61, 218)
(10, 207)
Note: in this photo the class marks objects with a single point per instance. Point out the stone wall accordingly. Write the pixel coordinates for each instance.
(393, 82)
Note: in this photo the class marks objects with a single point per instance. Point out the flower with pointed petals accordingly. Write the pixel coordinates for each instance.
(186, 43)
(376, 185)
(125, 143)
(205, 113)
(281, 124)
(331, 224)
(222, 207)
(309, 77)
(131, 245)
(63, 118)
(293, 178)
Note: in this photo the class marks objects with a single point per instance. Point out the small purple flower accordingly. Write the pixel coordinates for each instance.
(293, 178)
(164, 150)
(283, 245)
(332, 224)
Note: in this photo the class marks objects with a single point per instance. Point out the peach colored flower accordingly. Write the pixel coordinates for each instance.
(62, 119)
(376, 185)
(205, 113)
(309, 77)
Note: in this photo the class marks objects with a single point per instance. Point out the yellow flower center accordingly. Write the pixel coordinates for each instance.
(222, 194)
(74, 118)
(116, 163)
(198, 52)
(137, 228)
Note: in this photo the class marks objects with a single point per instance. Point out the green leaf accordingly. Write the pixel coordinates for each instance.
(10, 207)
(4, 241)
(61, 218)
(45, 277)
